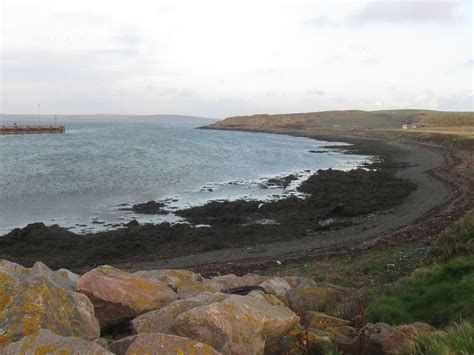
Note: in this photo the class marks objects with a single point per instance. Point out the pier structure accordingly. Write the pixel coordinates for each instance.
(31, 129)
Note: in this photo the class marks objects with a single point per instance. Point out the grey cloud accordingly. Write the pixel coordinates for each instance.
(406, 12)
(43, 66)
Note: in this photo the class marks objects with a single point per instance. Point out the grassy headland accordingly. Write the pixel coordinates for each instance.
(428, 279)
(350, 120)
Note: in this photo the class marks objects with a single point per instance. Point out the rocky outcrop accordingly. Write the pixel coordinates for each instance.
(301, 341)
(172, 278)
(323, 321)
(299, 281)
(179, 311)
(193, 288)
(47, 342)
(381, 338)
(228, 281)
(304, 299)
(161, 321)
(26, 306)
(11, 271)
(237, 325)
(63, 278)
(118, 295)
(156, 343)
(278, 287)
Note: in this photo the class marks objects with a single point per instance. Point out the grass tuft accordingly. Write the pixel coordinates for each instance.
(456, 241)
(457, 339)
(438, 296)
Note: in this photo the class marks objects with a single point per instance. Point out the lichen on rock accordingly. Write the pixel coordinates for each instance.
(29, 305)
(118, 295)
(157, 343)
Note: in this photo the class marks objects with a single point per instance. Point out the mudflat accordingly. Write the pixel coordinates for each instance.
(341, 209)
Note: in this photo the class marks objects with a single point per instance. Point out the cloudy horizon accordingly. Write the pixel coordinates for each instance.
(223, 58)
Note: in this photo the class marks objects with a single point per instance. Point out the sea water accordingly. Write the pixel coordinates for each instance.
(87, 178)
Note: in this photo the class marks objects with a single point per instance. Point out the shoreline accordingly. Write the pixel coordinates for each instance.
(431, 193)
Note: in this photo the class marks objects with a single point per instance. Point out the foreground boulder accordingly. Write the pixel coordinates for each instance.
(232, 281)
(278, 287)
(27, 306)
(11, 271)
(300, 281)
(193, 288)
(62, 278)
(161, 320)
(321, 321)
(345, 338)
(119, 295)
(375, 339)
(47, 342)
(173, 278)
(304, 299)
(381, 338)
(237, 325)
(301, 341)
(156, 343)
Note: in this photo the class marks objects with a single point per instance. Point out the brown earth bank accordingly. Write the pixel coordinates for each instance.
(406, 184)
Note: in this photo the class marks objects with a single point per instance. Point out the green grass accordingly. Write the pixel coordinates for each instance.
(457, 339)
(456, 241)
(438, 296)
(439, 137)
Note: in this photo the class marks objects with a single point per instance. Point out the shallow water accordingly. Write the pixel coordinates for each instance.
(84, 178)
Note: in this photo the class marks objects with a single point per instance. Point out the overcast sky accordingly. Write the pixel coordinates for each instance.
(221, 58)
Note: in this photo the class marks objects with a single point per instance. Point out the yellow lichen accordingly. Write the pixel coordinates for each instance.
(46, 349)
(4, 277)
(32, 305)
(323, 321)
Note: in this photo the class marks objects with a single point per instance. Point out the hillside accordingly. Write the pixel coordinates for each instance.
(105, 117)
(348, 120)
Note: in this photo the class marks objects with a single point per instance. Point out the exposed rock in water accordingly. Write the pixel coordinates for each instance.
(283, 181)
(133, 223)
(118, 295)
(48, 342)
(150, 207)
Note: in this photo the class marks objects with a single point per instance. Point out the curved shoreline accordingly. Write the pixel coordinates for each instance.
(226, 249)
(432, 193)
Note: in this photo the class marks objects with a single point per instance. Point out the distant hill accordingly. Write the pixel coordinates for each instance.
(347, 120)
(62, 118)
